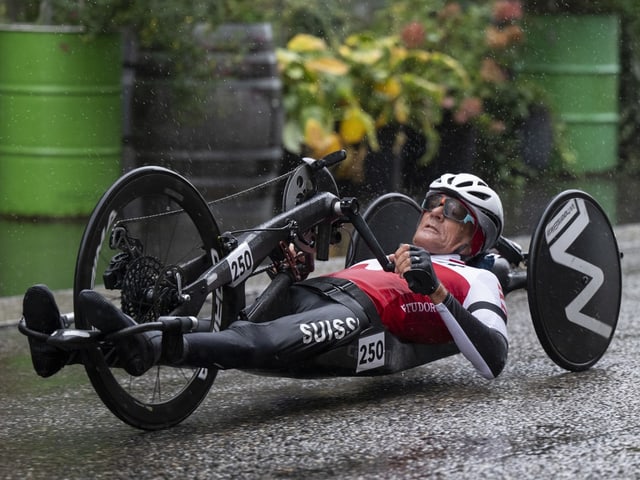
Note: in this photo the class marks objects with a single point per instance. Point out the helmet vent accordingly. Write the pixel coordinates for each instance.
(482, 196)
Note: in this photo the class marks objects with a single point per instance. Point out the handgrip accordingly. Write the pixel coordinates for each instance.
(329, 160)
(178, 324)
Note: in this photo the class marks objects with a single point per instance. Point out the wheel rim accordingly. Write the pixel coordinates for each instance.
(171, 221)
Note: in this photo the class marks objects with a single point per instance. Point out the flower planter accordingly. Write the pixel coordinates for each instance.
(60, 119)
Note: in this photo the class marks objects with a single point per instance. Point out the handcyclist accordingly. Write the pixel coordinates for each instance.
(434, 296)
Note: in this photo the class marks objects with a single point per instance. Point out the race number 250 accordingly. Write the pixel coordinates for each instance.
(240, 263)
(371, 351)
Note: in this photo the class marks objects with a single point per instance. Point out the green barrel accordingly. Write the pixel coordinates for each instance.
(38, 252)
(575, 60)
(60, 119)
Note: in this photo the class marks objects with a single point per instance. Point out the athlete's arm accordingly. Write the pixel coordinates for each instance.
(485, 347)
(483, 343)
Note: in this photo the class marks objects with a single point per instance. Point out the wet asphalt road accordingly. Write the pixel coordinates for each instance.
(437, 421)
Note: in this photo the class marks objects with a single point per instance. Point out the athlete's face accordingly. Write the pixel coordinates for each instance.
(438, 234)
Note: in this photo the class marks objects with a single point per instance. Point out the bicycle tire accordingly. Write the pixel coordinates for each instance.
(174, 224)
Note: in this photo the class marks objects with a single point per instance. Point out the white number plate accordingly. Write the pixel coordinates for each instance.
(240, 263)
(371, 352)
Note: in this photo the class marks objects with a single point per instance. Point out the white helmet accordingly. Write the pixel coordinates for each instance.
(480, 198)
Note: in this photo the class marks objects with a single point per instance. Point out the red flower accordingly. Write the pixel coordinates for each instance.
(497, 127)
(470, 108)
(496, 38)
(448, 102)
(507, 11)
(491, 72)
(413, 35)
(515, 33)
(450, 10)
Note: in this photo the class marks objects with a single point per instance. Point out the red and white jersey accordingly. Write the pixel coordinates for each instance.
(412, 316)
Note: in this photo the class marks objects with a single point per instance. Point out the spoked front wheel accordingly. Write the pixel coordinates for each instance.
(150, 236)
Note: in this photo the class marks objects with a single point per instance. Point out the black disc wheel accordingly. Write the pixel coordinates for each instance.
(574, 280)
(150, 236)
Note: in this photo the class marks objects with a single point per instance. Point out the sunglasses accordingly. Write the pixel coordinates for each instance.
(453, 208)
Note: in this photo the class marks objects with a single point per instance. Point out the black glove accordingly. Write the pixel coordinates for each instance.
(421, 278)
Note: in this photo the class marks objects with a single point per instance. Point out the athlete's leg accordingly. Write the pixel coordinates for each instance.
(138, 352)
(317, 325)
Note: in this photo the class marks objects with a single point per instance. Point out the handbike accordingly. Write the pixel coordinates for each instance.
(154, 249)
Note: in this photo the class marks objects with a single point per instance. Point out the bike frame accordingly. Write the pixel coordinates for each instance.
(252, 248)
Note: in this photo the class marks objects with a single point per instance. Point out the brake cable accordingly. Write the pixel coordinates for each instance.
(212, 202)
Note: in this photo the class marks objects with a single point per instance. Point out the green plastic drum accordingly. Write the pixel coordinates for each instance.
(575, 60)
(60, 119)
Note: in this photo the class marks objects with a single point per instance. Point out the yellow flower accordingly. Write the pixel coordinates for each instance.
(313, 132)
(306, 43)
(328, 65)
(398, 54)
(368, 56)
(285, 58)
(320, 141)
(332, 143)
(391, 88)
(353, 126)
(401, 111)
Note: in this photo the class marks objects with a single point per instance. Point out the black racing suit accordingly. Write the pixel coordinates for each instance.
(308, 323)
(312, 322)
